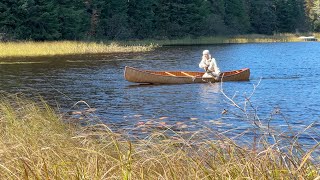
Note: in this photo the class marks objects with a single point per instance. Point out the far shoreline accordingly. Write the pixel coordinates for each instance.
(217, 40)
(52, 50)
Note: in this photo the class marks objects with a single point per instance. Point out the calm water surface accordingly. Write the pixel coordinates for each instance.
(289, 75)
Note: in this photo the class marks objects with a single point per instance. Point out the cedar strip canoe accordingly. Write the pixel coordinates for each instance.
(180, 77)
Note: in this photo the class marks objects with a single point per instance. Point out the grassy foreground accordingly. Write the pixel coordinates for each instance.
(38, 49)
(36, 144)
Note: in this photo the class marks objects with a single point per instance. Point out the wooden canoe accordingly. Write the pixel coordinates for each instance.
(180, 77)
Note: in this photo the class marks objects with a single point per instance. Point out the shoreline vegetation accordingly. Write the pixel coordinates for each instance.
(29, 49)
(65, 48)
(38, 143)
(240, 39)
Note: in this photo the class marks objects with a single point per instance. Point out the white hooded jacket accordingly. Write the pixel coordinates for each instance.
(210, 64)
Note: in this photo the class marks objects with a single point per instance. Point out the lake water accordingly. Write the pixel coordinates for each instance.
(289, 75)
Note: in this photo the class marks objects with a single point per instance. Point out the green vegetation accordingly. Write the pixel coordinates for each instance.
(153, 19)
(36, 143)
(36, 49)
(65, 48)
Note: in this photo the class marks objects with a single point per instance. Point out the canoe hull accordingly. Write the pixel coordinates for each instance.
(162, 77)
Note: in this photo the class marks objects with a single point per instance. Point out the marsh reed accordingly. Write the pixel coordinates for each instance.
(38, 49)
(63, 48)
(38, 143)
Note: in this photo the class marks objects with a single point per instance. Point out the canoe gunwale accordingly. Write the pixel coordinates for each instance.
(155, 72)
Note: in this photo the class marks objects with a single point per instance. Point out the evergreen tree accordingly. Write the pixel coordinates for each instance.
(194, 16)
(284, 18)
(10, 18)
(290, 15)
(113, 19)
(179, 18)
(93, 9)
(40, 20)
(214, 21)
(161, 18)
(236, 17)
(301, 22)
(140, 18)
(73, 19)
(262, 16)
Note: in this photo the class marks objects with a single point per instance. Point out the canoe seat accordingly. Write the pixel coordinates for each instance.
(186, 74)
(170, 74)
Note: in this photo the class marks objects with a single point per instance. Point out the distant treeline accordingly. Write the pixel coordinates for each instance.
(154, 19)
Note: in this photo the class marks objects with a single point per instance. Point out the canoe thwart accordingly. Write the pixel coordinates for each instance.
(170, 74)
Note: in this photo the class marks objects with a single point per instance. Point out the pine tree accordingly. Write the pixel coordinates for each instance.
(262, 16)
(290, 15)
(113, 19)
(140, 18)
(73, 19)
(214, 22)
(301, 22)
(236, 17)
(161, 18)
(180, 18)
(194, 16)
(40, 20)
(10, 18)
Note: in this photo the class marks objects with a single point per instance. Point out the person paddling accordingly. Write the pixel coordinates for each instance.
(209, 64)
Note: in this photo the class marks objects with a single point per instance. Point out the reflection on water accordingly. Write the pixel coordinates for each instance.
(289, 72)
(205, 93)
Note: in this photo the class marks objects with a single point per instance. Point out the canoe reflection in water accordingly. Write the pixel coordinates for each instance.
(210, 95)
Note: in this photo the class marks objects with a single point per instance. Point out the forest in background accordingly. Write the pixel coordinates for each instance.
(42, 20)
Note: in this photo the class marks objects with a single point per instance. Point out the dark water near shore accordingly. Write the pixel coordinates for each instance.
(289, 75)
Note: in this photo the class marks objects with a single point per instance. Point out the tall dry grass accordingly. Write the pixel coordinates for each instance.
(36, 49)
(60, 48)
(37, 143)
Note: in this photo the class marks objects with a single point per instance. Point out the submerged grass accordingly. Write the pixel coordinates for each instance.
(35, 143)
(38, 49)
